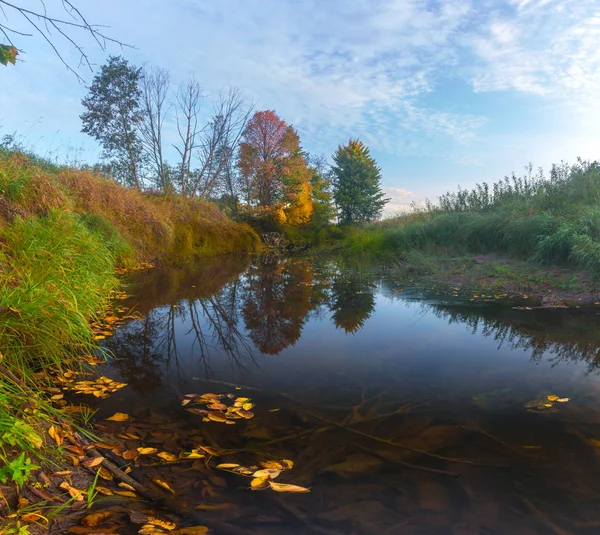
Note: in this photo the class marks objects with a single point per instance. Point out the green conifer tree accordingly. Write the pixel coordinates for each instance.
(356, 182)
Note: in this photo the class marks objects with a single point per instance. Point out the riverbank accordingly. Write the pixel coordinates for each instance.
(500, 274)
(64, 235)
(531, 233)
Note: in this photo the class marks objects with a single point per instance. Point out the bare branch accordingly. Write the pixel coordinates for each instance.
(187, 110)
(43, 23)
(222, 135)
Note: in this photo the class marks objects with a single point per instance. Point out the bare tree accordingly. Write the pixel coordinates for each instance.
(220, 138)
(155, 89)
(44, 24)
(213, 145)
(187, 109)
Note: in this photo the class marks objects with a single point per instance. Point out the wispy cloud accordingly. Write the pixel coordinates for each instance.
(543, 47)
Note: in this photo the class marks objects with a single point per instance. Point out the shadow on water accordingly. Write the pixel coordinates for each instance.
(405, 410)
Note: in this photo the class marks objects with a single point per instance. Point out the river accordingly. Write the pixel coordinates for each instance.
(406, 409)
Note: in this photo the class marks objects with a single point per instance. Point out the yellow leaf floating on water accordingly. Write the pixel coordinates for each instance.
(195, 454)
(147, 451)
(119, 417)
(563, 400)
(532, 447)
(267, 472)
(167, 456)
(260, 483)
(217, 416)
(284, 487)
(227, 466)
(553, 397)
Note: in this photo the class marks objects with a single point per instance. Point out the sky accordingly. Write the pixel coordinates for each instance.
(444, 92)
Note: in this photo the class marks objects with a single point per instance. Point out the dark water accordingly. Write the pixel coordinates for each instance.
(403, 408)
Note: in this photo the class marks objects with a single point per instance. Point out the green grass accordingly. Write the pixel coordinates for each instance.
(551, 221)
(63, 232)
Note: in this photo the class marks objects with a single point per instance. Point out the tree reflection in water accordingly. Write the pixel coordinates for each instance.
(242, 309)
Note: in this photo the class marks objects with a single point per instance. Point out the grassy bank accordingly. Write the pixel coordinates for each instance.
(63, 232)
(545, 221)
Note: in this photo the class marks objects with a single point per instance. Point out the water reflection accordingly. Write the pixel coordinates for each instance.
(242, 309)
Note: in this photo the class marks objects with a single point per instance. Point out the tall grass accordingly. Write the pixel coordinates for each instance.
(63, 232)
(552, 220)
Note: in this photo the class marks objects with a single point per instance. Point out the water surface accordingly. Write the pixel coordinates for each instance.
(402, 407)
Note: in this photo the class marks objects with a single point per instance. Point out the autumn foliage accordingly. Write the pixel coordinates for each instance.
(274, 171)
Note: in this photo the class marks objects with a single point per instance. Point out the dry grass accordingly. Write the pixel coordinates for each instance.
(170, 229)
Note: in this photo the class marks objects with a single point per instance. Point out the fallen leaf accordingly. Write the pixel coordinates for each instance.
(245, 414)
(57, 434)
(217, 416)
(227, 466)
(130, 454)
(147, 451)
(167, 456)
(563, 400)
(95, 519)
(532, 447)
(260, 483)
(34, 516)
(284, 487)
(267, 472)
(126, 486)
(164, 524)
(163, 484)
(151, 529)
(104, 490)
(553, 397)
(105, 474)
(119, 417)
(94, 461)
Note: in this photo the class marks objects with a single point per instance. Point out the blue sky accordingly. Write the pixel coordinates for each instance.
(445, 92)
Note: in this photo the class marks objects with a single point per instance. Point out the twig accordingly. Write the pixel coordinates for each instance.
(543, 518)
(392, 443)
(404, 463)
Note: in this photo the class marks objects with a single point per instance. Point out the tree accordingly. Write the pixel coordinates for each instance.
(212, 145)
(155, 89)
(321, 196)
(50, 27)
(356, 178)
(113, 116)
(273, 168)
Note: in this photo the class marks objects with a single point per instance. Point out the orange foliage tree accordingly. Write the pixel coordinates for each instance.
(273, 169)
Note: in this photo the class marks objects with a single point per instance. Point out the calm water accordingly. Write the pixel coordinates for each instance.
(403, 408)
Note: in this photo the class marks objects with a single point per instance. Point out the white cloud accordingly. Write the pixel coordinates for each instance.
(548, 48)
(401, 201)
